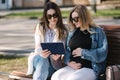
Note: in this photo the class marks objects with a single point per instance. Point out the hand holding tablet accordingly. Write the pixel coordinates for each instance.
(55, 48)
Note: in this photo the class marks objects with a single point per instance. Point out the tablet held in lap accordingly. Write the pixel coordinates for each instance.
(55, 48)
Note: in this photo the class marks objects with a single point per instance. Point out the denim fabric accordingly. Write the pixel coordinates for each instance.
(42, 68)
(98, 52)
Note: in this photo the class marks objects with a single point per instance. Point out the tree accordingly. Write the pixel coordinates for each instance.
(46, 1)
(93, 5)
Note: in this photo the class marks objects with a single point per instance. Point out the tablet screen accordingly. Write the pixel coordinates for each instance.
(55, 48)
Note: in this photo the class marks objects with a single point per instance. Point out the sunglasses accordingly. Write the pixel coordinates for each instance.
(75, 19)
(49, 16)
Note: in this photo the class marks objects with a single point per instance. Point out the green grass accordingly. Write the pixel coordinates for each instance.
(107, 13)
(11, 63)
(112, 13)
(33, 14)
(26, 14)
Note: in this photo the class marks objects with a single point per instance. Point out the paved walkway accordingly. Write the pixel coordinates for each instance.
(17, 35)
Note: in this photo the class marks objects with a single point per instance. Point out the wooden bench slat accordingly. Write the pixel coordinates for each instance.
(113, 36)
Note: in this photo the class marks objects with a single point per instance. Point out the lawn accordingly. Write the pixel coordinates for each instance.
(10, 63)
(115, 13)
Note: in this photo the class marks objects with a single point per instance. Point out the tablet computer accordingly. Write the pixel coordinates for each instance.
(55, 48)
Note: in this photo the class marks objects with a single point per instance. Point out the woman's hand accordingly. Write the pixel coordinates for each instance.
(55, 56)
(74, 65)
(77, 52)
(45, 53)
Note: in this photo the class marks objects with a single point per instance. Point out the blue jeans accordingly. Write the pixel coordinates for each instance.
(42, 68)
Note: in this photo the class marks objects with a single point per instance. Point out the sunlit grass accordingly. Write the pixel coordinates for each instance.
(112, 13)
(11, 63)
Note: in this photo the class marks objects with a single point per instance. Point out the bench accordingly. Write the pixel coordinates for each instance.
(113, 37)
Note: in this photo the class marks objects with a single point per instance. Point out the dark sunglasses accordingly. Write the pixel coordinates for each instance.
(49, 16)
(75, 19)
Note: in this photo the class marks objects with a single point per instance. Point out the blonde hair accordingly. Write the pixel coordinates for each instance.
(85, 17)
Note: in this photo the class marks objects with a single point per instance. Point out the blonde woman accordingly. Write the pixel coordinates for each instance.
(86, 48)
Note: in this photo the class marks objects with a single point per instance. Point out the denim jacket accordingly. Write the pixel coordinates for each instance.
(98, 52)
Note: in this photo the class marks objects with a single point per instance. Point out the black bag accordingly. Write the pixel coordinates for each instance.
(113, 72)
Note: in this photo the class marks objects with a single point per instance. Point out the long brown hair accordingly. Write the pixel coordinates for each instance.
(60, 26)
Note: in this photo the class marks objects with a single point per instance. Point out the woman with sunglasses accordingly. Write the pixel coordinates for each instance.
(51, 29)
(86, 48)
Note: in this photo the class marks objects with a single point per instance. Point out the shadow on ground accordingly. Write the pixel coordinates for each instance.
(10, 57)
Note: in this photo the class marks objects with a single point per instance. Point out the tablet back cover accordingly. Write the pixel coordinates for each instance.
(55, 48)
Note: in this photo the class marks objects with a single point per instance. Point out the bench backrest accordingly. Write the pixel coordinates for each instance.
(113, 36)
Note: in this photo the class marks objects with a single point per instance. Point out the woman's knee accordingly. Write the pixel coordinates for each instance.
(82, 74)
(37, 59)
(62, 74)
(80, 77)
(56, 75)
